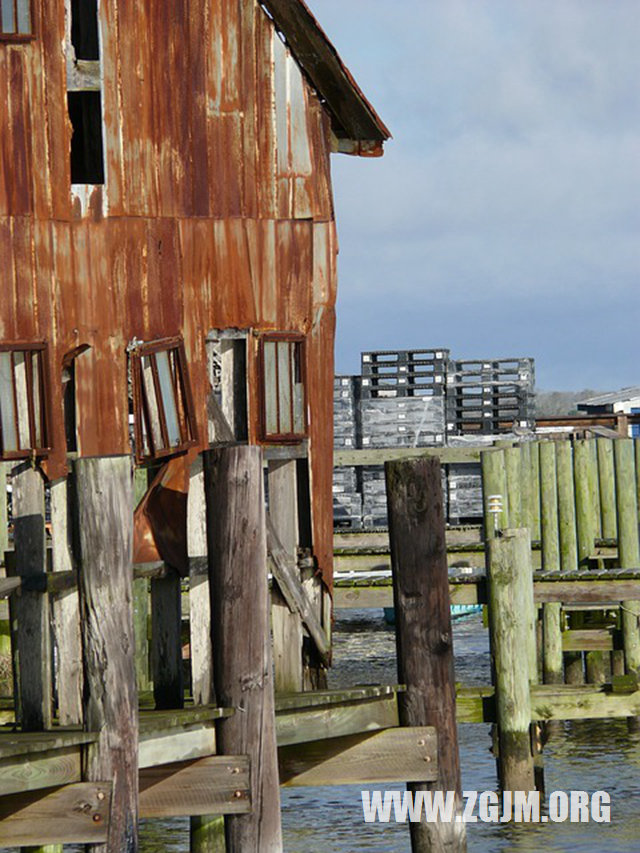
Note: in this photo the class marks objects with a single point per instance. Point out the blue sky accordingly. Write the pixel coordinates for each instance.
(504, 218)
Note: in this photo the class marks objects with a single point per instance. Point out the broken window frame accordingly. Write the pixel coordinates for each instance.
(36, 390)
(16, 35)
(281, 436)
(144, 424)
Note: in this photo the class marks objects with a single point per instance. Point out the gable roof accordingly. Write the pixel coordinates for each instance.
(358, 127)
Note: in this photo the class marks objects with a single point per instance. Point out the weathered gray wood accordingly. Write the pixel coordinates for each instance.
(395, 755)
(74, 813)
(31, 608)
(199, 603)
(628, 545)
(236, 540)
(607, 487)
(104, 517)
(215, 785)
(206, 832)
(549, 506)
(285, 571)
(423, 629)
(66, 613)
(447, 455)
(141, 601)
(586, 498)
(508, 584)
(566, 507)
(286, 625)
(166, 645)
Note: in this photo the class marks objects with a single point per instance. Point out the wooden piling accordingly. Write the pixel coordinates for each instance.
(423, 629)
(513, 466)
(6, 675)
(628, 545)
(508, 586)
(206, 832)
(586, 498)
(525, 486)
(65, 611)
(566, 507)
(104, 518)
(141, 601)
(494, 482)
(536, 532)
(552, 643)
(237, 559)
(549, 507)
(166, 643)
(607, 487)
(286, 625)
(30, 609)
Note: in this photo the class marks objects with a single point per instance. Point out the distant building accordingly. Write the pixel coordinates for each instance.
(625, 401)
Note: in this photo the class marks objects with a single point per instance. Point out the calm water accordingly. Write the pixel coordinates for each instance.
(587, 756)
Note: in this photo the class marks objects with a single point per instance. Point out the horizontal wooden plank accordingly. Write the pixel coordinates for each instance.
(165, 720)
(599, 639)
(25, 743)
(392, 755)
(446, 455)
(317, 723)
(77, 813)
(552, 702)
(165, 747)
(586, 592)
(316, 698)
(210, 786)
(32, 771)
(8, 586)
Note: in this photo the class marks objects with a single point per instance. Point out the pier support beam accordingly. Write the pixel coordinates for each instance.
(104, 519)
(512, 635)
(237, 558)
(423, 630)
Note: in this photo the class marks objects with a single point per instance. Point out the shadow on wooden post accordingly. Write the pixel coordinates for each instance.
(423, 631)
(237, 555)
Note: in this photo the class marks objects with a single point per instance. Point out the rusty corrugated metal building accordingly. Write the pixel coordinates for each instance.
(167, 237)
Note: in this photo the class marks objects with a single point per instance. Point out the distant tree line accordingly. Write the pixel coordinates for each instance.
(549, 403)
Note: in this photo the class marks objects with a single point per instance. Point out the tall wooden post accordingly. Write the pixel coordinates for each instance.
(166, 644)
(535, 491)
(628, 545)
(525, 486)
(141, 601)
(509, 587)
(423, 629)
(513, 465)
(286, 626)
(6, 676)
(66, 612)
(104, 518)
(494, 482)
(566, 507)
(607, 485)
(31, 608)
(549, 507)
(586, 498)
(206, 832)
(237, 557)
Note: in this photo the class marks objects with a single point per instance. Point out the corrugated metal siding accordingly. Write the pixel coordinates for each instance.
(219, 209)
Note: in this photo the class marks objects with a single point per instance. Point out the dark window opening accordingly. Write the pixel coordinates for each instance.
(227, 356)
(69, 397)
(163, 412)
(23, 401)
(283, 394)
(87, 163)
(84, 29)
(15, 18)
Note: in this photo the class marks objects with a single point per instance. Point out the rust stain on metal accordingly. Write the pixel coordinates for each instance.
(216, 212)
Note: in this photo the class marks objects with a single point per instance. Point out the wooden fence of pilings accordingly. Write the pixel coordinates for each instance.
(94, 737)
(563, 637)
